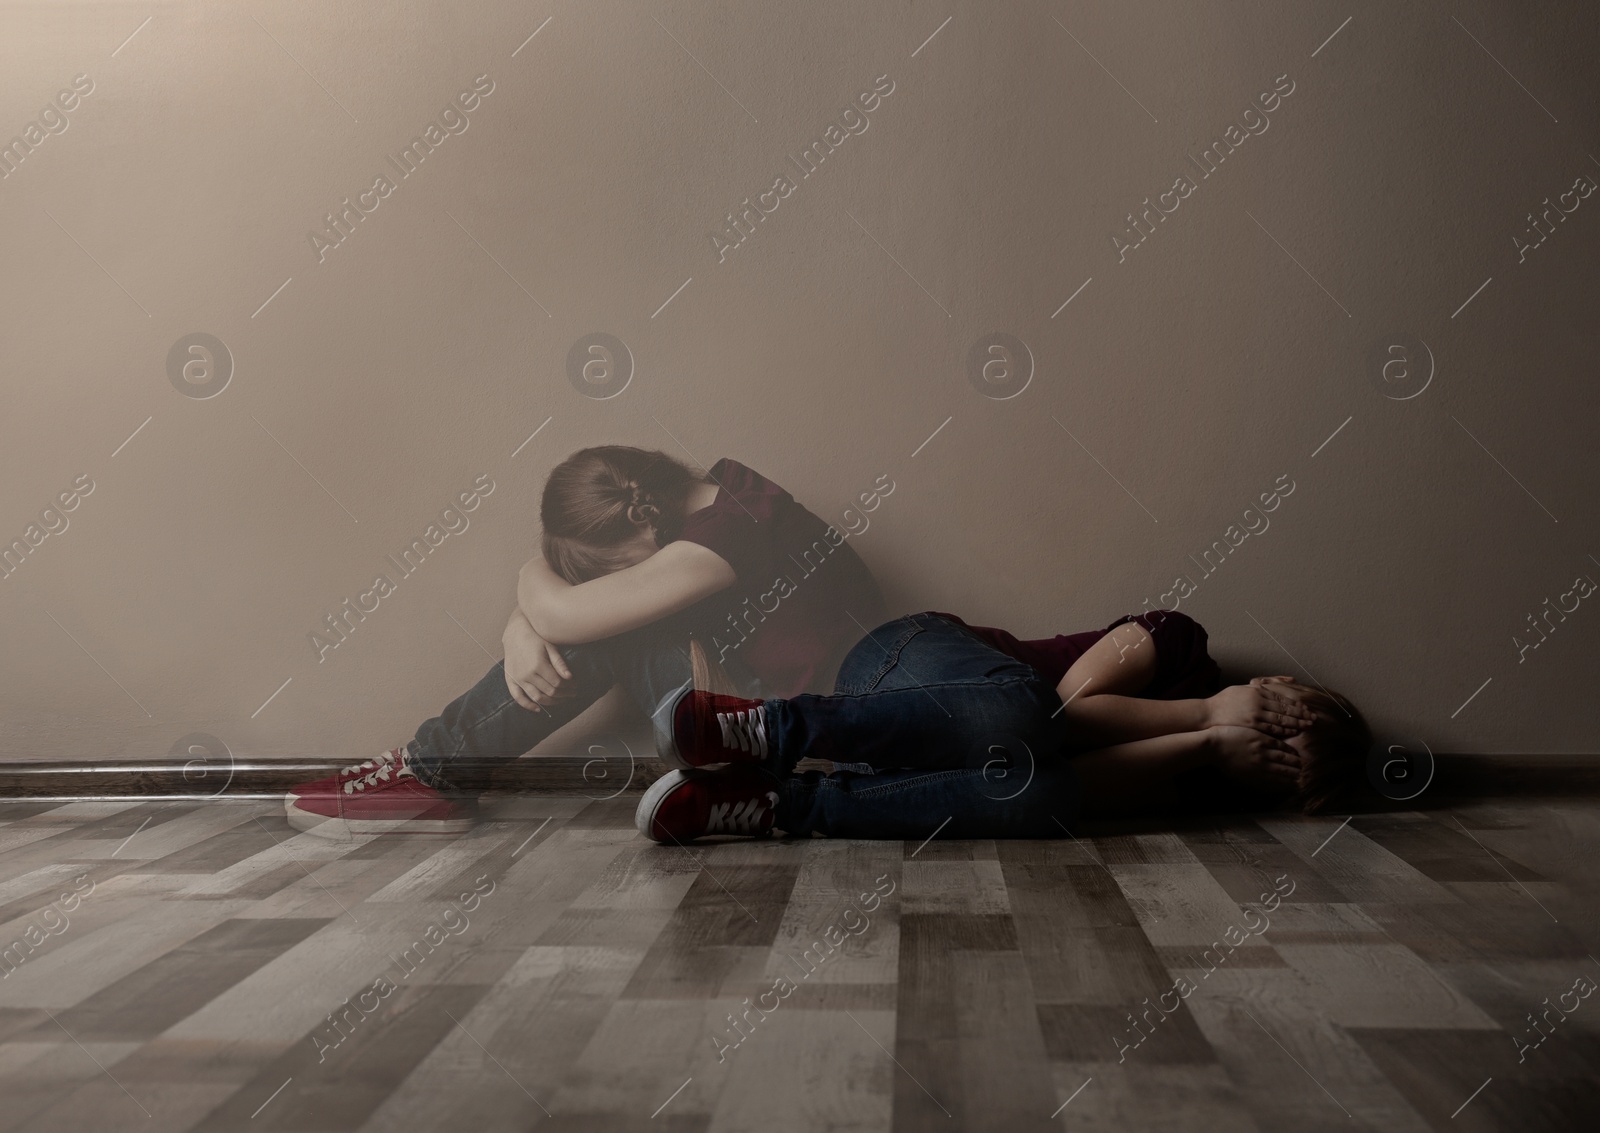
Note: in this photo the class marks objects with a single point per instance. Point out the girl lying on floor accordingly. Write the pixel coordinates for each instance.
(938, 726)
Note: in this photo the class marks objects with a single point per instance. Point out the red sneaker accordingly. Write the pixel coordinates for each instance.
(710, 728)
(378, 796)
(684, 805)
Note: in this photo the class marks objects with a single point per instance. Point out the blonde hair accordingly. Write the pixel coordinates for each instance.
(1337, 745)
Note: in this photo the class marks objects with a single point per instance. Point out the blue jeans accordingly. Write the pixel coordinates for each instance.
(484, 727)
(931, 723)
(940, 732)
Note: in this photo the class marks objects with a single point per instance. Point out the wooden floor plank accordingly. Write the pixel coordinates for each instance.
(41, 1080)
(808, 1070)
(946, 984)
(150, 999)
(1250, 869)
(168, 835)
(517, 1041)
(106, 939)
(345, 1091)
(1298, 1069)
(1079, 937)
(1381, 985)
(437, 864)
(1473, 1080)
(665, 1045)
(1107, 1097)
(1468, 931)
(1353, 864)
(841, 923)
(961, 887)
(959, 975)
(728, 918)
(1438, 849)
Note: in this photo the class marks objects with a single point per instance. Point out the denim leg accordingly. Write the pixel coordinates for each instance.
(914, 805)
(969, 742)
(921, 692)
(481, 725)
(485, 726)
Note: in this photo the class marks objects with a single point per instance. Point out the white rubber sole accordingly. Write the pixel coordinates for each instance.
(343, 829)
(644, 818)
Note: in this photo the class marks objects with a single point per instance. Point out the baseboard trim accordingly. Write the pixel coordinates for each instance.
(1477, 776)
(46, 780)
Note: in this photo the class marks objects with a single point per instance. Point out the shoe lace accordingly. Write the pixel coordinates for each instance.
(386, 767)
(745, 730)
(741, 817)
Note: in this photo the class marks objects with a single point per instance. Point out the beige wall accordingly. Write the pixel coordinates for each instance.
(378, 383)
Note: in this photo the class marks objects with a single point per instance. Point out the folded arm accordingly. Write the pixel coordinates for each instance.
(673, 579)
(1100, 693)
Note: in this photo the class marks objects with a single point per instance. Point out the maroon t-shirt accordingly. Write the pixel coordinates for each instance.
(1183, 669)
(802, 595)
(1051, 656)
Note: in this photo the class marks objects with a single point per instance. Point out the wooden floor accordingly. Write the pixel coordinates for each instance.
(554, 969)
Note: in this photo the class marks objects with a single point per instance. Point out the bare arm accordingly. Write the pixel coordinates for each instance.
(1102, 705)
(674, 578)
(535, 671)
(1112, 719)
(1100, 692)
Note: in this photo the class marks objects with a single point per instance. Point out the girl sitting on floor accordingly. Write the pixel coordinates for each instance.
(642, 555)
